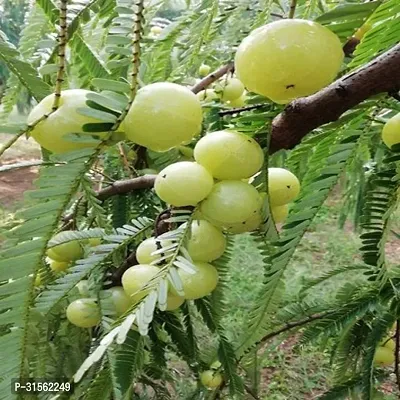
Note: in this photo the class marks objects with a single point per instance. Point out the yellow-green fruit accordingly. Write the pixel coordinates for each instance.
(289, 58)
(239, 102)
(58, 266)
(120, 300)
(66, 252)
(391, 131)
(50, 133)
(147, 247)
(156, 30)
(163, 116)
(384, 357)
(249, 225)
(230, 89)
(206, 242)
(136, 278)
(204, 69)
(84, 313)
(83, 287)
(93, 242)
(283, 186)
(280, 213)
(389, 343)
(174, 302)
(200, 284)
(229, 155)
(183, 183)
(362, 31)
(207, 96)
(230, 202)
(211, 379)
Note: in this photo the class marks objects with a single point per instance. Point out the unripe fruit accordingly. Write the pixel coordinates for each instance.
(289, 58)
(156, 30)
(206, 242)
(384, 357)
(239, 102)
(229, 155)
(211, 379)
(174, 302)
(204, 69)
(207, 95)
(93, 242)
(83, 287)
(66, 252)
(391, 131)
(230, 202)
(283, 186)
(200, 284)
(84, 313)
(58, 266)
(136, 278)
(249, 225)
(163, 116)
(280, 213)
(120, 300)
(147, 247)
(230, 89)
(50, 133)
(389, 343)
(183, 183)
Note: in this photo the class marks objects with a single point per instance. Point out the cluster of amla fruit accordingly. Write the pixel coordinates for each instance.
(282, 60)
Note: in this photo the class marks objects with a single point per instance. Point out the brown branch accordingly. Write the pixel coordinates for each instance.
(292, 10)
(241, 109)
(209, 79)
(303, 115)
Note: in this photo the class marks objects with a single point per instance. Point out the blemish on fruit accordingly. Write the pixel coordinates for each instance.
(291, 86)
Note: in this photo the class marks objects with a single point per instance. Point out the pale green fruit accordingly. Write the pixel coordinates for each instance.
(211, 379)
(147, 247)
(229, 155)
(230, 89)
(93, 242)
(280, 213)
(289, 58)
(163, 116)
(200, 284)
(174, 302)
(384, 357)
(239, 102)
(207, 96)
(248, 225)
(58, 266)
(84, 313)
(83, 287)
(391, 131)
(183, 183)
(389, 343)
(206, 242)
(136, 278)
(283, 186)
(66, 252)
(50, 133)
(204, 69)
(156, 30)
(120, 299)
(231, 202)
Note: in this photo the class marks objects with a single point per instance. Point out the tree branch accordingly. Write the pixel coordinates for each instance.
(209, 79)
(303, 115)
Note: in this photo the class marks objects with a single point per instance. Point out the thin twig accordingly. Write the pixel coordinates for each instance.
(292, 10)
(8, 144)
(242, 109)
(27, 164)
(250, 391)
(211, 78)
(397, 354)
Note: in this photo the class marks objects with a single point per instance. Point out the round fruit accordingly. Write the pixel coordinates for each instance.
(183, 183)
(147, 247)
(249, 225)
(204, 69)
(156, 30)
(50, 132)
(384, 357)
(280, 213)
(391, 131)
(163, 116)
(211, 379)
(66, 252)
(389, 343)
(120, 300)
(174, 302)
(83, 287)
(239, 102)
(283, 186)
(93, 242)
(207, 96)
(135, 278)
(229, 155)
(84, 313)
(200, 284)
(58, 266)
(230, 89)
(206, 242)
(230, 202)
(289, 58)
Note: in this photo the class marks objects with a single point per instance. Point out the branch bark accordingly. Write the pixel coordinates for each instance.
(303, 115)
(209, 79)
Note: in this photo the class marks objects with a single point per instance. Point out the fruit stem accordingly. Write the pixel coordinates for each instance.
(62, 44)
(292, 9)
